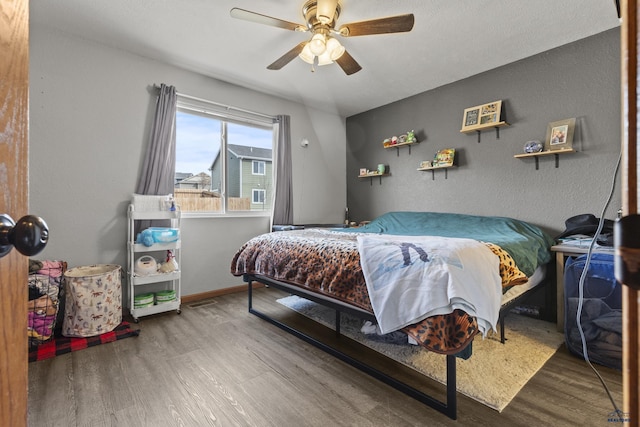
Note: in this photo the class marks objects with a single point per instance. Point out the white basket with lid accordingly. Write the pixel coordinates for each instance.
(150, 203)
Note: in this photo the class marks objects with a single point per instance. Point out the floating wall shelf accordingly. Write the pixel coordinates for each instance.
(480, 128)
(556, 153)
(402, 144)
(434, 168)
(373, 175)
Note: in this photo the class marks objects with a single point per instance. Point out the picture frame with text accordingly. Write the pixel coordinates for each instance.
(482, 116)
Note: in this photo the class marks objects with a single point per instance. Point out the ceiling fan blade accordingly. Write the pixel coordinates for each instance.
(392, 24)
(287, 57)
(348, 64)
(247, 15)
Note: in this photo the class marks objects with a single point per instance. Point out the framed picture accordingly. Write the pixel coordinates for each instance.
(363, 171)
(560, 134)
(471, 117)
(482, 116)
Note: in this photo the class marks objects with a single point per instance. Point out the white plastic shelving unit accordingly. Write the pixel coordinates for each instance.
(167, 281)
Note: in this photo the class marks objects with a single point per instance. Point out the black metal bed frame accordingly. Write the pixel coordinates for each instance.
(448, 407)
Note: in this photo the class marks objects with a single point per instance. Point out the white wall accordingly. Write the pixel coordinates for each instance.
(90, 112)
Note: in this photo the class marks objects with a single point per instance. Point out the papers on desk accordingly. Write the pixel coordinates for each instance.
(582, 241)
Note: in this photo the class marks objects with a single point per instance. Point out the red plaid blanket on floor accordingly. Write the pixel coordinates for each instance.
(63, 345)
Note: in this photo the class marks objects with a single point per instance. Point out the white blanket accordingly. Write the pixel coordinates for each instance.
(410, 278)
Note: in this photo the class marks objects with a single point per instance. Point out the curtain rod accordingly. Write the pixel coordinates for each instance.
(228, 107)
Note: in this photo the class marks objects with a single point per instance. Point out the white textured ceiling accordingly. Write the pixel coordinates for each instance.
(451, 40)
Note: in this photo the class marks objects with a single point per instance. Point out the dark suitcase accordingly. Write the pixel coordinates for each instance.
(601, 314)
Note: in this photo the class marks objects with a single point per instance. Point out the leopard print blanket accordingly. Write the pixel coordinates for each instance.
(327, 262)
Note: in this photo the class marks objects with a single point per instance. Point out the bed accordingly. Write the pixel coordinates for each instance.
(454, 276)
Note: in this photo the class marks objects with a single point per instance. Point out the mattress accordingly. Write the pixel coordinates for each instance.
(326, 262)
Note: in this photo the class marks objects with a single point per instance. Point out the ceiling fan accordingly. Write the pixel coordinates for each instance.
(323, 48)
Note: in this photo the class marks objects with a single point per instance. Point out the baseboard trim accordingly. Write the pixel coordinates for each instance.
(187, 299)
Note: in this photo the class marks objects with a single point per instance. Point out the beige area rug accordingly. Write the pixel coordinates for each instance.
(493, 375)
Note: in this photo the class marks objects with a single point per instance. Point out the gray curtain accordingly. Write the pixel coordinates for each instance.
(159, 168)
(283, 197)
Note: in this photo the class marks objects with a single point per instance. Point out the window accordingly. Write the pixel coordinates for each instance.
(258, 167)
(258, 196)
(223, 162)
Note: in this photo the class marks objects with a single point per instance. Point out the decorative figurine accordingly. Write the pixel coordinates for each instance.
(411, 136)
(534, 146)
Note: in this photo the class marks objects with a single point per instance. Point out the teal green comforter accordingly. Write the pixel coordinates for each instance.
(527, 244)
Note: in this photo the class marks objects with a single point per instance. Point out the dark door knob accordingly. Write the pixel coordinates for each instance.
(29, 235)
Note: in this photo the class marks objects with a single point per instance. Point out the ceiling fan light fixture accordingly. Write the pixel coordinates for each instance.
(306, 55)
(334, 48)
(317, 44)
(320, 18)
(325, 58)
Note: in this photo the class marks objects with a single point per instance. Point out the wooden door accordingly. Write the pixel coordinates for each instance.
(630, 140)
(14, 142)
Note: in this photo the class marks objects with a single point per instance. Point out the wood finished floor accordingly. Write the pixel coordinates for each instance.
(216, 364)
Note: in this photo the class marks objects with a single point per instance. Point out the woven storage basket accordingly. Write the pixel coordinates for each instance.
(93, 303)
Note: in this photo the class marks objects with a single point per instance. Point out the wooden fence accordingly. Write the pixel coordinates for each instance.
(191, 200)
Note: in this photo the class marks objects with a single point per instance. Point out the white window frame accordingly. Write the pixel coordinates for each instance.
(227, 113)
(261, 165)
(255, 191)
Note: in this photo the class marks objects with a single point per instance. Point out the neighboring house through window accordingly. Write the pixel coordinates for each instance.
(224, 163)
(241, 177)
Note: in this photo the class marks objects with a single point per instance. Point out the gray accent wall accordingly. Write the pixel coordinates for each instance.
(580, 80)
(90, 112)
